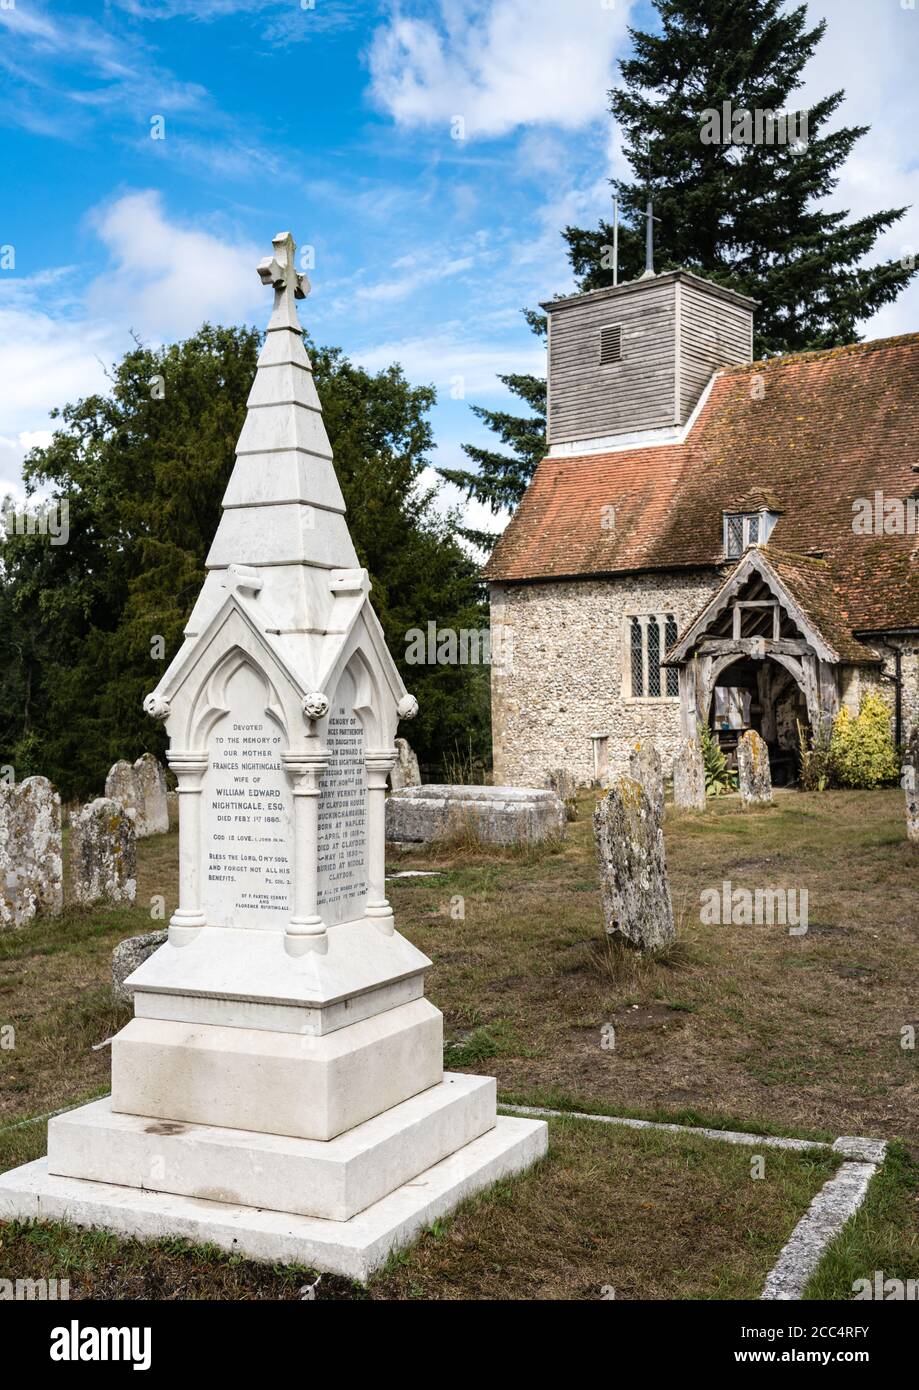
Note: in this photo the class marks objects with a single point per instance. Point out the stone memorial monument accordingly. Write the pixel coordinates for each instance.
(910, 783)
(103, 854)
(689, 776)
(151, 786)
(754, 777)
(634, 888)
(279, 1091)
(645, 768)
(31, 873)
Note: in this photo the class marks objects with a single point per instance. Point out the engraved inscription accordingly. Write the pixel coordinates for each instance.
(248, 817)
(342, 862)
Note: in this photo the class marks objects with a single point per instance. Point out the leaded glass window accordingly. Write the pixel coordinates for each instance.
(654, 658)
(734, 537)
(673, 675)
(638, 680)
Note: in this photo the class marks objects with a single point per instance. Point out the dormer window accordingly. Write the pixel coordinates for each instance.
(743, 529)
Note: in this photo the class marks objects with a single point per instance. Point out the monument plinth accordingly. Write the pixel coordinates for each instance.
(280, 1089)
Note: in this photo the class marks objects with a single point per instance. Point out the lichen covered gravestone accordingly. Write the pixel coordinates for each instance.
(405, 770)
(128, 956)
(754, 778)
(910, 780)
(150, 780)
(689, 776)
(280, 1089)
(121, 786)
(565, 786)
(103, 853)
(634, 889)
(645, 768)
(31, 873)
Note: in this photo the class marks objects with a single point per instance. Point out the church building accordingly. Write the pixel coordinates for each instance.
(708, 539)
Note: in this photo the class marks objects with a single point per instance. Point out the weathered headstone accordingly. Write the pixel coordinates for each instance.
(405, 770)
(130, 954)
(634, 889)
(910, 780)
(645, 768)
(494, 815)
(150, 780)
(689, 776)
(565, 786)
(121, 785)
(282, 1057)
(103, 855)
(31, 873)
(754, 778)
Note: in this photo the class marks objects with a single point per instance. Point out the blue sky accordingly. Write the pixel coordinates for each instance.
(336, 121)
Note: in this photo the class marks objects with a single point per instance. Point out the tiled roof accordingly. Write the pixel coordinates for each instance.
(810, 433)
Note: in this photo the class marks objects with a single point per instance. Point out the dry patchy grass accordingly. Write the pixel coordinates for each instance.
(647, 1214)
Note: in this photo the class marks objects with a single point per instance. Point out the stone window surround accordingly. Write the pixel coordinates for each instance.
(644, 618)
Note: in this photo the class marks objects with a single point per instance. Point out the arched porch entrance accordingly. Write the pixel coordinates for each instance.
(765, 694)
(755, 659)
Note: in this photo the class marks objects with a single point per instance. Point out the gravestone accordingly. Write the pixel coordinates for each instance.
(565, 786)
(689, 776)
(280, 1090)
(121, 785)
(130, 954)
(910, 780)
(103, 854)
(405, 770)
(150, 780)
(645, 768)
(493, 815)
(31, 872)
(754, 778)
(634, 889)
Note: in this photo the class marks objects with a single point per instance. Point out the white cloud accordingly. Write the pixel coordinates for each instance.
(163, 280)
(499, 64)
(166, 279)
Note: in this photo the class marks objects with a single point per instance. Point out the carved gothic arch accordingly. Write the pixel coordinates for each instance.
(212, 702)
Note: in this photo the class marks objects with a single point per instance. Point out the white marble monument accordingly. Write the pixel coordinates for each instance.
(280, 1089)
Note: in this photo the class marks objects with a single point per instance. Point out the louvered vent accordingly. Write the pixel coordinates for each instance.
(610, 343)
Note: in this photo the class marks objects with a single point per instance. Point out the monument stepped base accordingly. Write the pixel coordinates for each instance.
(334, 1179)
(353, 1248)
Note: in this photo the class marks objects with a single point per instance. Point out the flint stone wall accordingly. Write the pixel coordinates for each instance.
(495, 815)
(566, 672)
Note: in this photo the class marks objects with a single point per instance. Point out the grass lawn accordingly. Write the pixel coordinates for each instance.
(743, 1027)
(648, 1214)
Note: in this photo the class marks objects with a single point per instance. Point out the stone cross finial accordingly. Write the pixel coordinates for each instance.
(288, 283)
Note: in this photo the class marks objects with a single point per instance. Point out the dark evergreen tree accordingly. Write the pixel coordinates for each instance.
(500, 479)
(143, 478)
(747, 215)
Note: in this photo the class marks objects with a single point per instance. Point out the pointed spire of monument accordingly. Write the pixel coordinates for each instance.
(283, 504)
